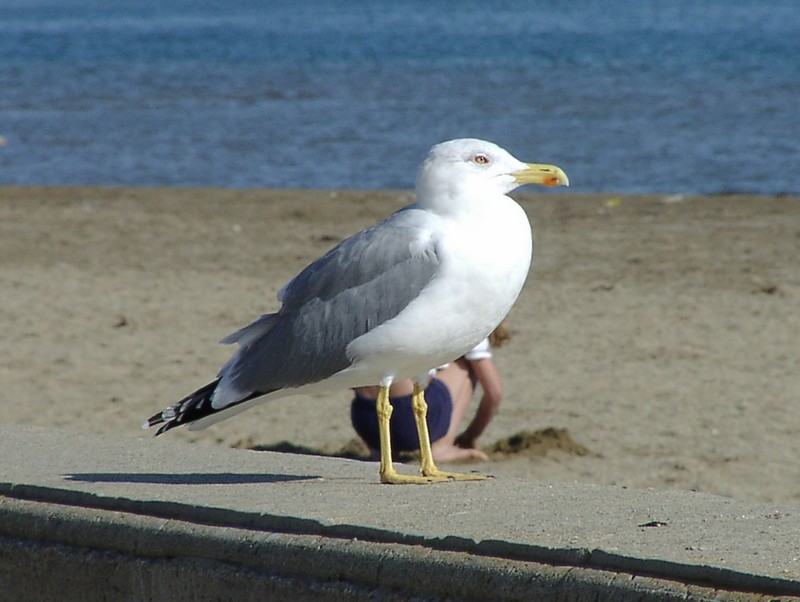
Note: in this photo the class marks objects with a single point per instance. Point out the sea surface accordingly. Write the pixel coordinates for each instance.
(670, 96)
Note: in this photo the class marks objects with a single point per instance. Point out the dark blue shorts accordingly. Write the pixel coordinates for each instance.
(403, 428)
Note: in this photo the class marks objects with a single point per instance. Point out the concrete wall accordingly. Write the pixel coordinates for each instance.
(53, 552)
(87, 517)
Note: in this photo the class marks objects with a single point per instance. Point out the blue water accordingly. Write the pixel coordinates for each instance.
(678, 96)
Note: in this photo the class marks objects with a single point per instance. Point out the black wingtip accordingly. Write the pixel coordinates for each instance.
(190, 408)
(167, 426)
(158, 419)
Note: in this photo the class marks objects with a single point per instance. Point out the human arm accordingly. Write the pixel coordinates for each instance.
(485, 371)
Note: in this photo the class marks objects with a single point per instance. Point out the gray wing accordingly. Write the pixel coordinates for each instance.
(358, 285)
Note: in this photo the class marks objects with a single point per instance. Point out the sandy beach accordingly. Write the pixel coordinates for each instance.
(656, 343)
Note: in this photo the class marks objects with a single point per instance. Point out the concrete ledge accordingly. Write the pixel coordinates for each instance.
(94, 517)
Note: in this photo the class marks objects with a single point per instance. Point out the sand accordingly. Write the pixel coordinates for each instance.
(656, 343)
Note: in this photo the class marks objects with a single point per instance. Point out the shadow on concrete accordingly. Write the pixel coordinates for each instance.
(193, 478)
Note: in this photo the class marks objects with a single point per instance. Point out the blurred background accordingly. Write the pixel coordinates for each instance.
(674, 96)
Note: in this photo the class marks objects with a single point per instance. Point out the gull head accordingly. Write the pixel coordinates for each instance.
(470, 166)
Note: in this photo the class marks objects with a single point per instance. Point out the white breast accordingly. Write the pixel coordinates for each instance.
(485, 257)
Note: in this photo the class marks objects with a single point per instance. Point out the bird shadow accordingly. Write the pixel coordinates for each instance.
(525, 443)
(193, 478)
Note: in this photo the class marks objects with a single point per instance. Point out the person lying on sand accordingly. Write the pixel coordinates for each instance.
(448, 395)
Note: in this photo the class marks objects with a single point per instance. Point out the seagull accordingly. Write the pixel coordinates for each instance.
(393, 301)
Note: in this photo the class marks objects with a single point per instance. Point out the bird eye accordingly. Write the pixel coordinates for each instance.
(481, 159)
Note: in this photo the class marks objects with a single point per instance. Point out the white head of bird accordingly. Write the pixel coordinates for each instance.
(471, 168)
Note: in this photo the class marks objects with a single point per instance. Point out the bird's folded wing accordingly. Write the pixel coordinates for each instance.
(358, 285)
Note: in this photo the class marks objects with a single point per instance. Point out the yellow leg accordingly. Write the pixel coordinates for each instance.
(427, 466)
(384, 411)
(388, 473)
(420, 407)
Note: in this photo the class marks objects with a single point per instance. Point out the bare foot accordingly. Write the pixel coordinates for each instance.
(451, 453)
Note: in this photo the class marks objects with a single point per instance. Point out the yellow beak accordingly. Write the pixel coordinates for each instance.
(537, 173)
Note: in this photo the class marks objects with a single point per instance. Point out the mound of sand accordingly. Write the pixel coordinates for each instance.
(534, 444)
